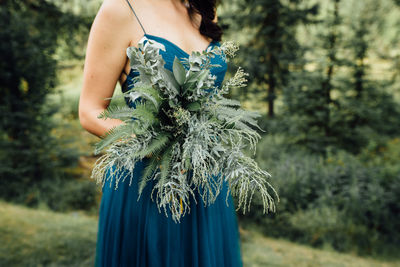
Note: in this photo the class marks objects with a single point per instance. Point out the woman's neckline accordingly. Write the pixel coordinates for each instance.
(173, 44)
(146, 35)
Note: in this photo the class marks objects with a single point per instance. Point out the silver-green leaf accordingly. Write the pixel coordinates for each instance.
(179, 71)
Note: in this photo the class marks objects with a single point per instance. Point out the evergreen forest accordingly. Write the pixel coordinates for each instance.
(325, 77)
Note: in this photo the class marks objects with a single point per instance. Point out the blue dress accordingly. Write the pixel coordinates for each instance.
(135, 233)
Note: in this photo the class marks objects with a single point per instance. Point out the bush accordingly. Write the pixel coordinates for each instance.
(343, 201)
(66, 195)
(31, 156)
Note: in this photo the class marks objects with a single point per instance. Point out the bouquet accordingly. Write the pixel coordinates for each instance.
(182, 123)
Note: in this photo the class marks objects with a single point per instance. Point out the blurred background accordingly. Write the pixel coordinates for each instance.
(325, 75)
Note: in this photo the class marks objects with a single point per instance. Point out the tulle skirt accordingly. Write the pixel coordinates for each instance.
(135, 233)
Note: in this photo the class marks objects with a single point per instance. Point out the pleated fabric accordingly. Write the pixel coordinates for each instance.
(134, 232)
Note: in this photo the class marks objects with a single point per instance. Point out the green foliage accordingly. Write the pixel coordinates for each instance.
(30, 155)
(337, 104)
(306, 112)
(179, 71)
(271, 46)
(348, 202)
(32, 237)
(67, 195)
(75, 24)
(331, 145)
(113, 135)
(156, 146)
(183, 120)
(148, 173)
(308, 100)
(120, 112)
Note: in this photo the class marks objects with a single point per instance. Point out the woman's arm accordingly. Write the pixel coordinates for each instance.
(105, 59)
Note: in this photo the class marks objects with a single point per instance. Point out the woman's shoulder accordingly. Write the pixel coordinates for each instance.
(115, 16)
(114, 10)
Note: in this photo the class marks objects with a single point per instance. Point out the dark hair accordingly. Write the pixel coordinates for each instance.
(207, 10)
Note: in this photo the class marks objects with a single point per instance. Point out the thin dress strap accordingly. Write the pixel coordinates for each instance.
(136, 16)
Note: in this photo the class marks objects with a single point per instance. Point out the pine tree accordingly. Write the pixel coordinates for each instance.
(360, 107)
(29, 36)
(271, 44)
(308, 101)
(365, 105)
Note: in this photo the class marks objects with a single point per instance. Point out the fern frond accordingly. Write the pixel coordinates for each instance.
(155, 146)
(148, 173)
(228, 102)
(116, 112)
(145, 113)
(112, 135)
(165, 163)
(145, 91)
(245, 178)
(239, 117)
(139, 128)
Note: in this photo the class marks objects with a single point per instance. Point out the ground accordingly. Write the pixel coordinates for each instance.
(35, 237)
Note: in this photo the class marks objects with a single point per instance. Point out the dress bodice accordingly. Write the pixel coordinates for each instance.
(172, 50)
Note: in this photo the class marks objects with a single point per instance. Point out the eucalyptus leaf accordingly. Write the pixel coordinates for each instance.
(171, 78)
(171, 103)
(195, 106)
(193, 76)
(179, 71)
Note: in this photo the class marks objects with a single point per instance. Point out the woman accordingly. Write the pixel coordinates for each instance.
(131, 232)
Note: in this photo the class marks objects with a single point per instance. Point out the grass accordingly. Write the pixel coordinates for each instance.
(260, 251)
(32, 237)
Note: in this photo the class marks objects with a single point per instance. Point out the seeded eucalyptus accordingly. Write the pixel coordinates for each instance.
(182, 123)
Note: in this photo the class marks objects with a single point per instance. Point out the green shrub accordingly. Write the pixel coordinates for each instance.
(343, 201)
(66, 195)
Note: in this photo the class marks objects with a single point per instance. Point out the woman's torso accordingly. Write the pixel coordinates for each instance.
(164, 19)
